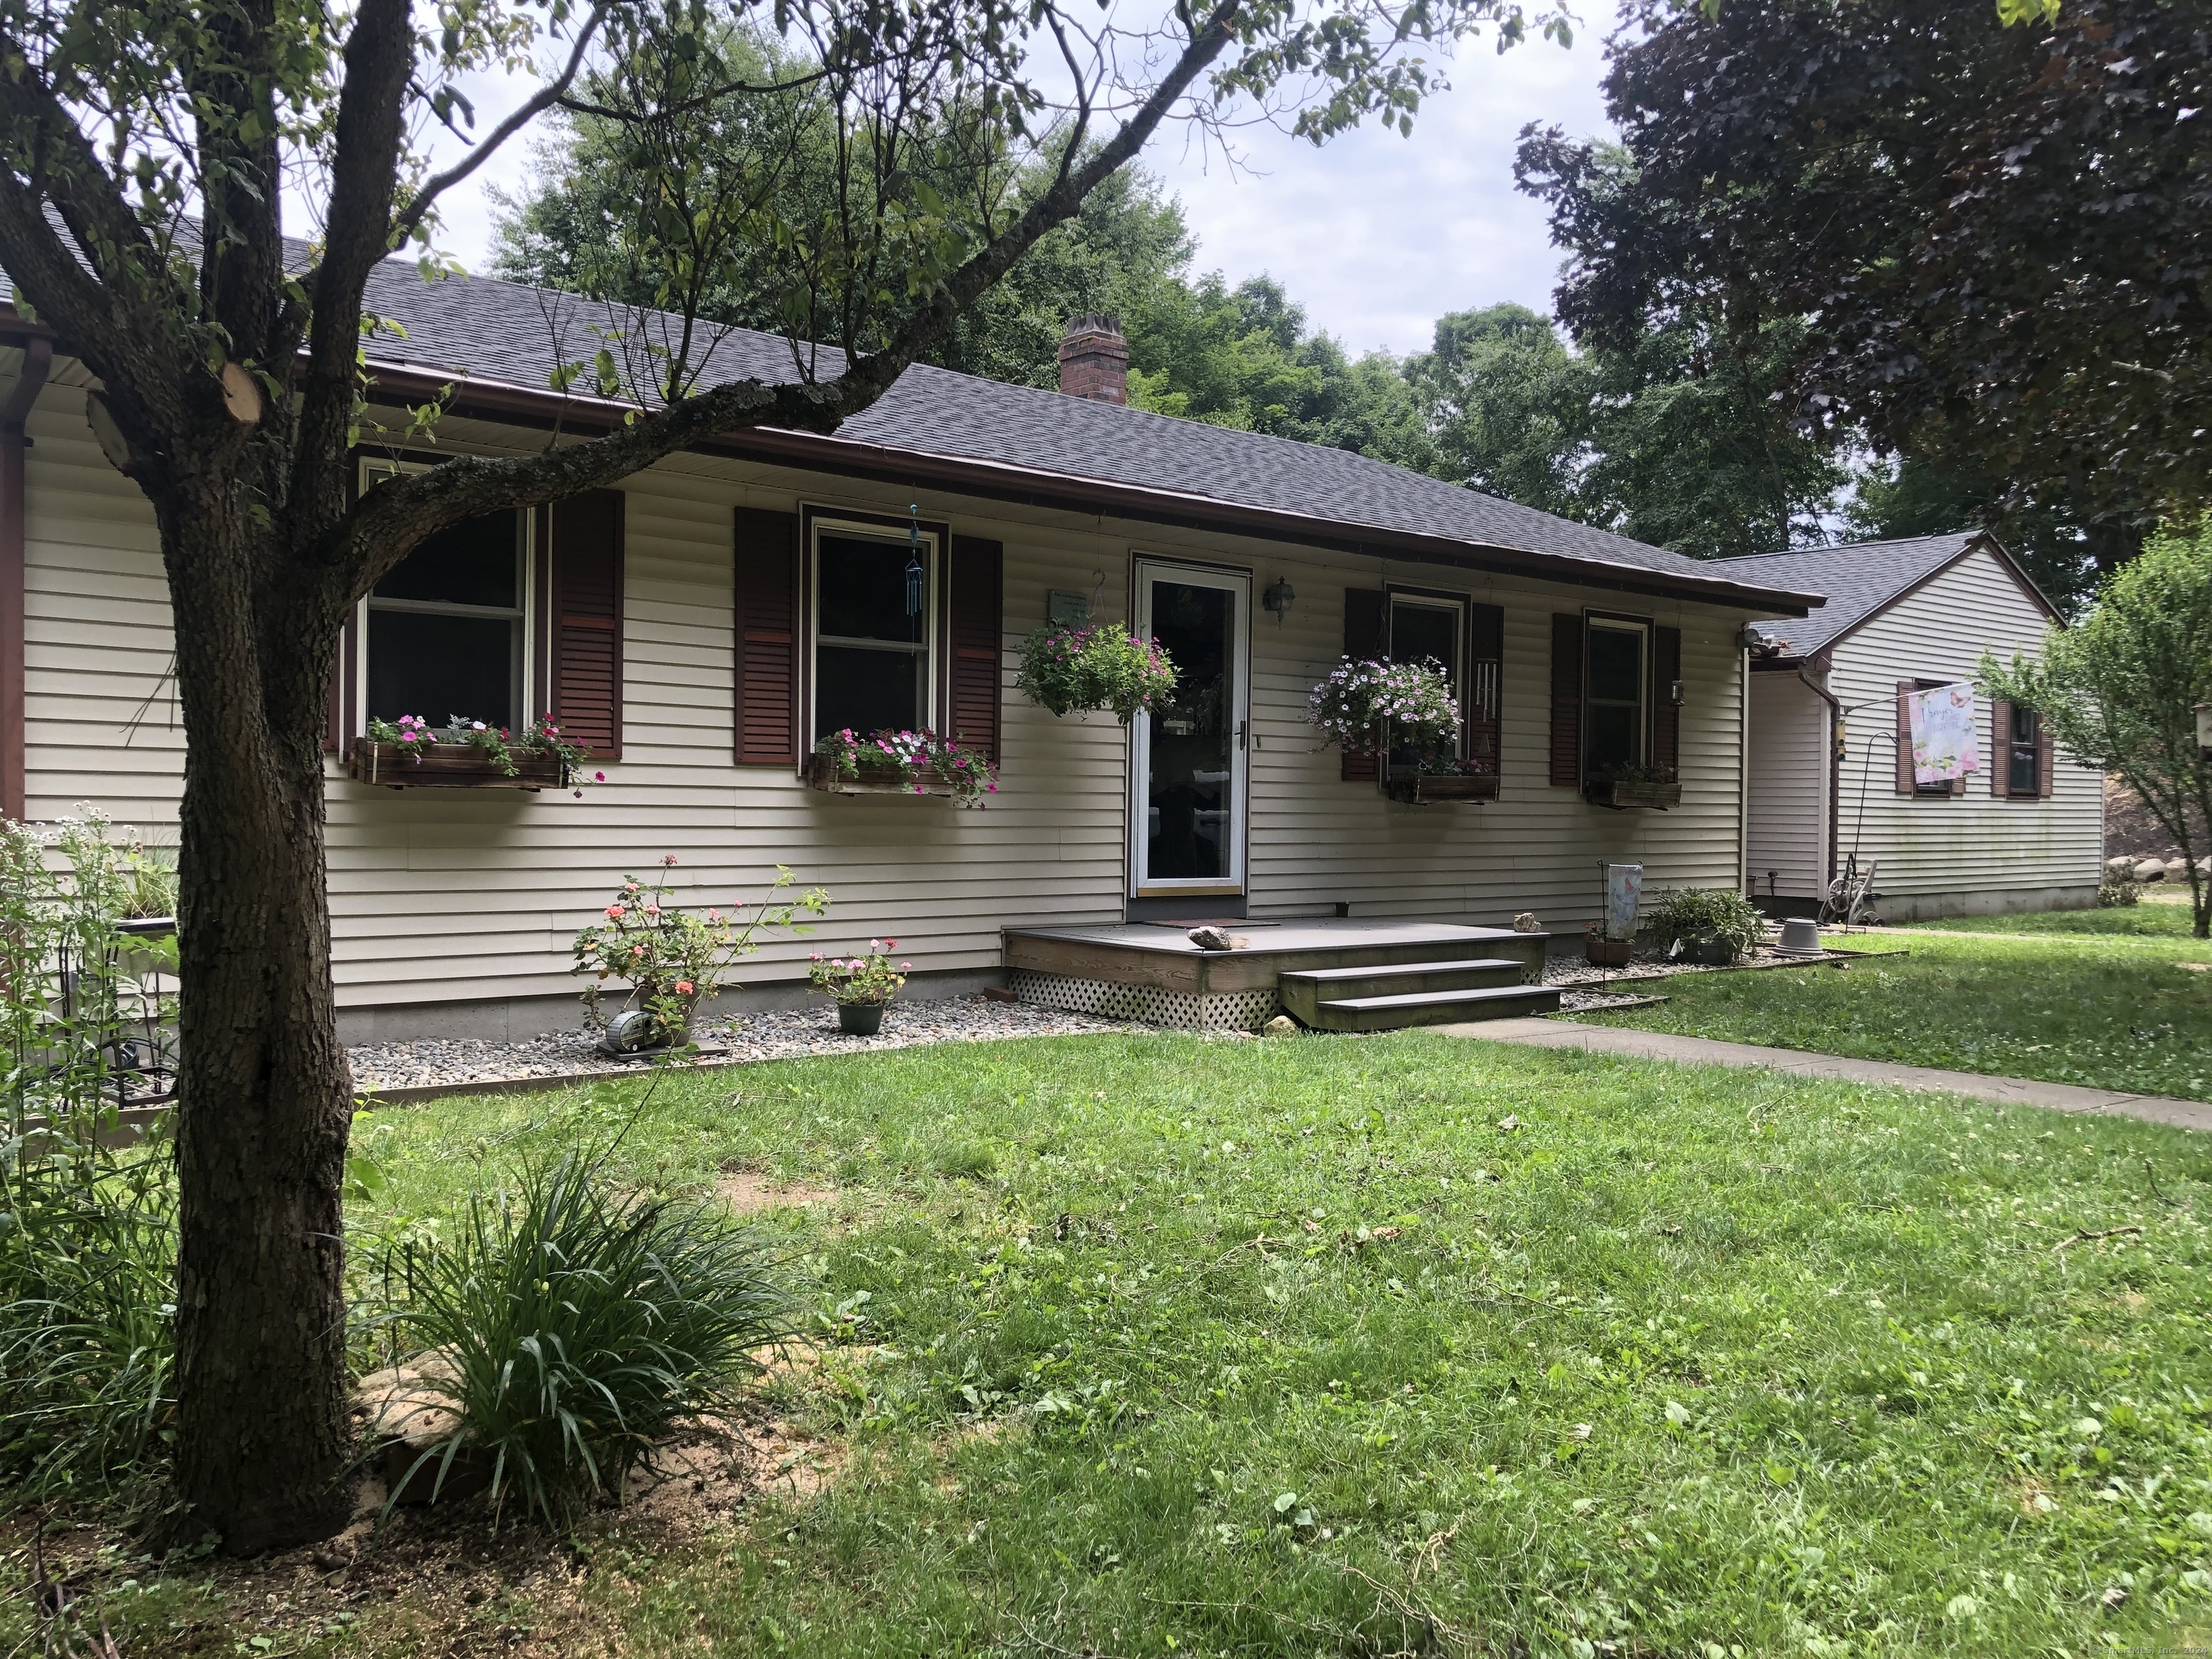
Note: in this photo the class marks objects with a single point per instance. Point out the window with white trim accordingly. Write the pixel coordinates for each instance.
(874, 634)
(1429, 627)
(447, 631)
(1616, 683)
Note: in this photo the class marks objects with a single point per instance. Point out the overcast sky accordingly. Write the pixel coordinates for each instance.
(1375, 235)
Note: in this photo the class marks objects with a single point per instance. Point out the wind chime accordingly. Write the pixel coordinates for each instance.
(913, 559)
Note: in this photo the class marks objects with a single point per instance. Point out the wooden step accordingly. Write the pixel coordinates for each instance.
(1386, 1013)
(1303, 989)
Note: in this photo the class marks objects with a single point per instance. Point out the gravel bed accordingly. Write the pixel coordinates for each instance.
(1565, 972)
(781, 1034)
(1584, 1002)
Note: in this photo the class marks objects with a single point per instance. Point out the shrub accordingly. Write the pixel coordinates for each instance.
(2119, 888)
(1698, 913)
(672, 958)
(570, 1324)
(861, 979)
(1366, 706)
(1066, 667)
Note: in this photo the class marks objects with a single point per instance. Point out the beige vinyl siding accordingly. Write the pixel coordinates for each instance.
(455, 896)
(1788, 787)
(1974, 843)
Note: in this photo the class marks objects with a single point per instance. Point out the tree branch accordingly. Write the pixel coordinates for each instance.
(551, 94)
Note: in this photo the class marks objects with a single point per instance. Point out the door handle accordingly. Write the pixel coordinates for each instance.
(1245, 733)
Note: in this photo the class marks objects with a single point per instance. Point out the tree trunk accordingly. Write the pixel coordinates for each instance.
(264, 1097)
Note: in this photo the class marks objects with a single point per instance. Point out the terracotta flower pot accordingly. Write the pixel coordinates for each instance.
(859, 1018)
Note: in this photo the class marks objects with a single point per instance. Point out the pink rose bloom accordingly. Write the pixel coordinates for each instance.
(637, 950)
(652, 909)
(905, 966)
(615, 912)
(668, 857)
(683, 987)
(890, 945)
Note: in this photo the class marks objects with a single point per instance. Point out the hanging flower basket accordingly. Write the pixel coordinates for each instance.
(1067, 668)
(899, 763)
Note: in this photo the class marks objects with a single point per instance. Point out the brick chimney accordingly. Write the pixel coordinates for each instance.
(1094, 360)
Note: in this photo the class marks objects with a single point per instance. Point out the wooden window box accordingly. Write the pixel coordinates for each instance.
(448, 765)
(1433, 788)
(820, 774)
(1622, 796)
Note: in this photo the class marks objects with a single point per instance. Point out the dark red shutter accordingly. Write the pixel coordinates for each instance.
(1566, 700)
(1905, 690)
(973, 632)
(1666, 713)
(1481, 706)
(768, 638)
(1364, 612)
(2000, 758)
(586, 689)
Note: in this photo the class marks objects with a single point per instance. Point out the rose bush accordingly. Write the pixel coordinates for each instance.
(672, 958)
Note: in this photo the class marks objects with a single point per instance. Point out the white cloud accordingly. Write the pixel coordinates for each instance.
(1377, 235)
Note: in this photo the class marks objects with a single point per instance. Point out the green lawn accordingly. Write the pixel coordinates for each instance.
(2161, 915)
(1153, 1346)
(2111, 1014)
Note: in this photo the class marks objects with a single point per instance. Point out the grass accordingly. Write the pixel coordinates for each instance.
(2105, 1013)
(2160, 915)
(1153, 1346)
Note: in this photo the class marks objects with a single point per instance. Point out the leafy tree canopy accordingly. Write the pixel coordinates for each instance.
(2001, 235)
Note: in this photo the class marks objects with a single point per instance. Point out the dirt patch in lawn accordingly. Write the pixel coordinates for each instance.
(752, 1192)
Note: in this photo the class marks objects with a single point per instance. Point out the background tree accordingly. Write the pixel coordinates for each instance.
(146, 156)
(2119, 688)
(2003, 232)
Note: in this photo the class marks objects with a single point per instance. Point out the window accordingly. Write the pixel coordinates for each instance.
(1429, 628)
(874, 601)
(1614, 678)
(446, 630)
(2022, 754)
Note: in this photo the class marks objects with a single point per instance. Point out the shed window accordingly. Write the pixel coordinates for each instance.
(1616, 681)
(447, 626)
(874, 598)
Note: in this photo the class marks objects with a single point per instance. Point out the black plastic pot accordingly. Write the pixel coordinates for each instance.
(859, 1018)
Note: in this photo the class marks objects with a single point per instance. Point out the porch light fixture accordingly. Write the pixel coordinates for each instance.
(1276, 602)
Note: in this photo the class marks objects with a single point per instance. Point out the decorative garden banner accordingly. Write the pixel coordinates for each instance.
(1945, 745)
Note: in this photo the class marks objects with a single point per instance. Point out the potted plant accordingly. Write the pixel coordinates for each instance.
(888, 762)
(1623, 787)
(466, 754)
(1403, 714)
(671, 958)
(1707, 925)
(1067, 667)
(1601, 951)
(862, 986)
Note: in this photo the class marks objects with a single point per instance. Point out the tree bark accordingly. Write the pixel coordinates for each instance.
(264, 1098)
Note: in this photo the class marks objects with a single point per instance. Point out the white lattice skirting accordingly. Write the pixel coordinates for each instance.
(1223, 1010)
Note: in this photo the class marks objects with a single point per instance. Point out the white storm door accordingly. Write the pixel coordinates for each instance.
(1189, 766)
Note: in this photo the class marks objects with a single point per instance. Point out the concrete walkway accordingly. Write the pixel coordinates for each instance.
(1706, 1051)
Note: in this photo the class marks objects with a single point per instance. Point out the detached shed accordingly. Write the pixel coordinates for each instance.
(1830, 744)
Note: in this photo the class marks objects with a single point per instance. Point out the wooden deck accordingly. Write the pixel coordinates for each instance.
(1162, 957)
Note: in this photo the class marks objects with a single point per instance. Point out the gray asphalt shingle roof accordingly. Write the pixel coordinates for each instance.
(507, 332)
(1859, 578)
